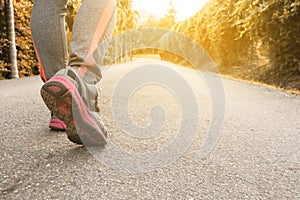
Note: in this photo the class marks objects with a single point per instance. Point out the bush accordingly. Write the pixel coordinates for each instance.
(276, 24)
(256, 40)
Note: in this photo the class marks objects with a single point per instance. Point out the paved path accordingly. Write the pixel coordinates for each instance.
(257, 155)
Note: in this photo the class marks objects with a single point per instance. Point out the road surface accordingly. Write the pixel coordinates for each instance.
(257, 154)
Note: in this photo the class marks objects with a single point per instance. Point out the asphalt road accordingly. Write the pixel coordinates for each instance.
(257, 154)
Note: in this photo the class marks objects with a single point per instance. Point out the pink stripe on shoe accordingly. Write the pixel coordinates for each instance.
(57, 124)
(70, 86)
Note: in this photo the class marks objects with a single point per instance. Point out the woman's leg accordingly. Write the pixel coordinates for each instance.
(50, 43)
(94, 23)
(72, 94)
(49, 35)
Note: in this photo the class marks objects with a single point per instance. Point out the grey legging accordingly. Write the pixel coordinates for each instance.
(49, 33)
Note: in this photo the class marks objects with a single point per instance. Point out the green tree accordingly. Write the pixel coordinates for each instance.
(152, 21)
(169, 18)
(127, 18)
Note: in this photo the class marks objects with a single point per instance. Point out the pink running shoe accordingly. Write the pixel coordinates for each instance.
(74, 100)
(56, 124)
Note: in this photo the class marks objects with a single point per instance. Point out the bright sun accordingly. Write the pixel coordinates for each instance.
(184, 8)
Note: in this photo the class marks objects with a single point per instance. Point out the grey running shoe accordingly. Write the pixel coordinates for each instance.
(74, 100)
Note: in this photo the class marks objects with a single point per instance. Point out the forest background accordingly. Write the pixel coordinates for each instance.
(253, 40)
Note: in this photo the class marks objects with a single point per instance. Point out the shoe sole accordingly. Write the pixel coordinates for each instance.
(56, 125)
(63, 99)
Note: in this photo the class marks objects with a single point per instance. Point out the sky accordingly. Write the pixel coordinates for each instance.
(184, 8)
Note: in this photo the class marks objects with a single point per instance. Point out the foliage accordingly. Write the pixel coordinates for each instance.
(27, 63)
(72, 9)
(127, 19)
(257, 40)
(167, 21)
(214, 29)
(169, 18)
(251, 39)
(276, 24)
(4, 62)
